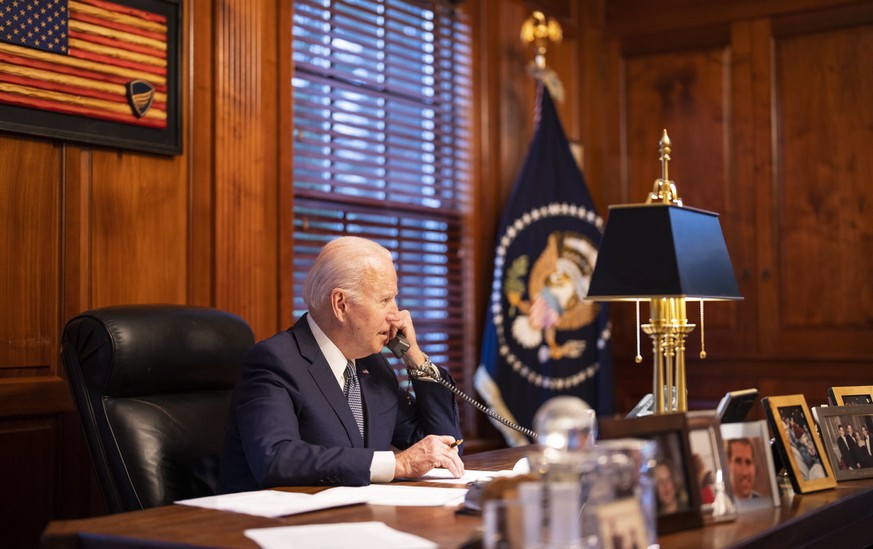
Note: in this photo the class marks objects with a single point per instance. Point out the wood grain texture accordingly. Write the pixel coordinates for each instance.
(139, 228)
(246, 207)
(29, 244)
(822, 192)
(198, 144)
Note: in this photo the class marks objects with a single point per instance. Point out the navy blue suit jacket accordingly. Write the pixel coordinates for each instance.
(290, 424)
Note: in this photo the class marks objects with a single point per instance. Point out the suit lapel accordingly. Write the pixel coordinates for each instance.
(325, 380)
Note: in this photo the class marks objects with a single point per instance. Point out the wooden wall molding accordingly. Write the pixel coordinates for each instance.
(34, 396)
(246, 162)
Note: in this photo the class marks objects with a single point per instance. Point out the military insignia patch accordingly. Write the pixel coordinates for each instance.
(140, 95)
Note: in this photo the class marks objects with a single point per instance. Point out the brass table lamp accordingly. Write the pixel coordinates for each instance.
(666, 253)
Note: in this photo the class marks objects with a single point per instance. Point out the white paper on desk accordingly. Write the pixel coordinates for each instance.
(392, 494)
(273, 503)
(354, 535)
(521, 466)
(443, 476)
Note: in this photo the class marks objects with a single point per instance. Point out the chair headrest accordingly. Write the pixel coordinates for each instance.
(144, 349)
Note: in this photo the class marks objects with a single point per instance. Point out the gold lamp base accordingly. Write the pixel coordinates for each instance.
(664, 252)
(668, 328)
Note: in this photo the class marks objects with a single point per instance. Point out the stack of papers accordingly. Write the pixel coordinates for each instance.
(272, 503)
(354, 535)
(392, 494)
(470, 475)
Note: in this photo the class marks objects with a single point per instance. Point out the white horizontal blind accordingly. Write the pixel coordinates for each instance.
(381, 98)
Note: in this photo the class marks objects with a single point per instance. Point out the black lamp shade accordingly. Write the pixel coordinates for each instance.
(661, 250)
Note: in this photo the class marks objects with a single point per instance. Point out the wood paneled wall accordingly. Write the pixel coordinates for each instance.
(85, 227)
(768, 104)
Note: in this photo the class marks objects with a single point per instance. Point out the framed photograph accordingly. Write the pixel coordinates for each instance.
(845, 433)
(750, 470)
(734, 406)
(709, 465)
(677, 496)
(621, 524)
(848, 396)
(102, 73)
(799, 446)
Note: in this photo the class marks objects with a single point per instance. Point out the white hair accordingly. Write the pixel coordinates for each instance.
(344, 263)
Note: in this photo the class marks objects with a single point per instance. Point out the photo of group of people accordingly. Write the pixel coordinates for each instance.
(802, 442)
(851, 444)
(846, 425)
(802, 452)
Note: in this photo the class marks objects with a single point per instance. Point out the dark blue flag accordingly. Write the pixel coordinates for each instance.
(541, 338)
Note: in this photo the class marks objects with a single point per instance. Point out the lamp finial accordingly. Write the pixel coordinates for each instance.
(665, 151)
(664, 190)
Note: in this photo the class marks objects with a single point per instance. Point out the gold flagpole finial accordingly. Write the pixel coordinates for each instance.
(539, 30)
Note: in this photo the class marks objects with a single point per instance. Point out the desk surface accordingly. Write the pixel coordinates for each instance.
(844, 514)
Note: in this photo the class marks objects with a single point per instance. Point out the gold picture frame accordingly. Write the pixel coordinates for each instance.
(848, 396)
(791, 422)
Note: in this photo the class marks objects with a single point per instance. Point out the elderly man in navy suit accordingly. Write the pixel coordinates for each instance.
(318, 404)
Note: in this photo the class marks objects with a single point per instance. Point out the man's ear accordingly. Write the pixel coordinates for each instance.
(339, 304)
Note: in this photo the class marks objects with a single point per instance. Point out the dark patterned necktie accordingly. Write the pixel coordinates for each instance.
(353, 394)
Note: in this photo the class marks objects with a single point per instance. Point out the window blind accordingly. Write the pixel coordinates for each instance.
(381, 149)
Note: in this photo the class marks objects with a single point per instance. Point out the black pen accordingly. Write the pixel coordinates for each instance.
(456, 443)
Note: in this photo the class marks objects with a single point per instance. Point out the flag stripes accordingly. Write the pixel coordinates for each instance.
(83, 59)
(69, 65)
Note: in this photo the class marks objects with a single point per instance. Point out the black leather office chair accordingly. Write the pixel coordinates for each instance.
(152, 386)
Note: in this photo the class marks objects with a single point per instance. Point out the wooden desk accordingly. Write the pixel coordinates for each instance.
(843, 515)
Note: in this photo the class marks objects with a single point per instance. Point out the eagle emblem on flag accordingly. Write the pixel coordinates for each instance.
(554, 298)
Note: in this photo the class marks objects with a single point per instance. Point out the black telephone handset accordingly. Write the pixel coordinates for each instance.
(398, 345)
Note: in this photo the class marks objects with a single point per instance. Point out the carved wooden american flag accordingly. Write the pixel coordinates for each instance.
(78, 57)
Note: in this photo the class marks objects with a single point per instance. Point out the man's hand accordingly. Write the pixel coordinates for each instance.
(402, 322)
(429, 452)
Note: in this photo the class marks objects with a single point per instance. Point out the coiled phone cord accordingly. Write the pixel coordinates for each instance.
(476, 404)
